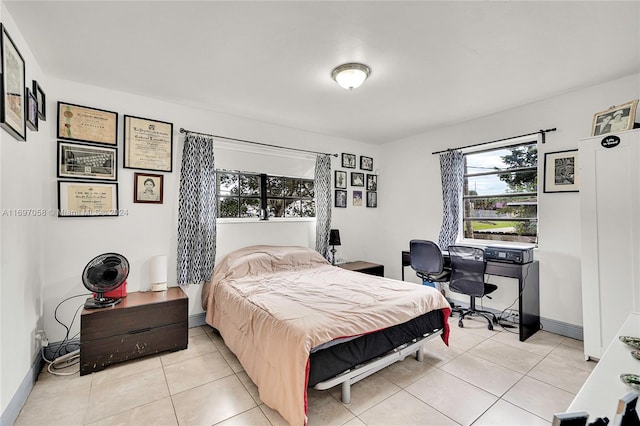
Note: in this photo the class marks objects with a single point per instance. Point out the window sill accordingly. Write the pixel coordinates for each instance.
(271, 220)
(496, 243)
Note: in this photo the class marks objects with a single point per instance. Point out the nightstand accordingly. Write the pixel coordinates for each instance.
(364, 267)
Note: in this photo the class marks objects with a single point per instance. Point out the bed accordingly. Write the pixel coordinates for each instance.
(294, 321)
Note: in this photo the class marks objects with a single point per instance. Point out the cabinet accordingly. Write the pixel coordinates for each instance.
(143, 323)
(364, 267)
(610, 236)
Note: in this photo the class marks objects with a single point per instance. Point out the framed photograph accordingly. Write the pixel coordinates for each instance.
(148, 188)
(148, 144)
(561, 171)
(366, 163)
(85, 124)
(13, 105)
(87, 199)
(357, 198)
(79, 161)
(348, 161)
(372, 182)
(341, 179)
(32, 110)
(41, 99)
(357, 179)
(615, 119)
(372, 199)
(340, 199)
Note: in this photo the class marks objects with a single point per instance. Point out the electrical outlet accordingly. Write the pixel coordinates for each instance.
(41, 337)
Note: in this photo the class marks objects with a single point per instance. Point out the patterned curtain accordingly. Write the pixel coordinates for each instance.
(197, 211)
(452, 173)
(322, 186)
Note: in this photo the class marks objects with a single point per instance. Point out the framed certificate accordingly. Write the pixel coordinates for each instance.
(148, 144)
(80, 161)
(13, 105)
(87, 199)
(85, 124)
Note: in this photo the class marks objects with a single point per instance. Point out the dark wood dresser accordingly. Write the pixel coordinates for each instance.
(143, 323)
(364, 267)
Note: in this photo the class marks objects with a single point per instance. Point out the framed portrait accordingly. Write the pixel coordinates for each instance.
(366, 163)
(357, 179)
(148, 144)
(341, 179)
(41, 99)
(348, 161)
(340, 198)
(148, 188)
(615, 119)
(80, 161)
(372, 182)
(87, 199)
(561, 171)
(357, 198)
(372, 199)
(32, 110)
(13, 106)
(85, 124)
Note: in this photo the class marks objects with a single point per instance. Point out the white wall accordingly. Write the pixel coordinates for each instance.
(413, 197)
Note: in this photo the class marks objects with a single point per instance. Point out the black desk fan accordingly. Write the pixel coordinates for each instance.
(103, 274)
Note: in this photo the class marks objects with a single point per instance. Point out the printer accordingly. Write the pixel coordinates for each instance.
(517, 255)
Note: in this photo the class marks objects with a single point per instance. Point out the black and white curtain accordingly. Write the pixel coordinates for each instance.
(197, 211)
(322, 186)
(452, 173)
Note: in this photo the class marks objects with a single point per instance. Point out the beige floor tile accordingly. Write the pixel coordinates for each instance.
(212, 402)
(231, 359)
(570, 353)
(125, 369)
(404, 409)
(541, 343)
(438, 354)
(478, 325)
(274, 417)
(367, 393)
(503, 413)
(49, 386)
(253, 417)
(539, 398)
(451, 396)
(560, 375)
(355, 422)
(199, 344)
(157, 413)
(196, 331)
(63, 409)
(405, 372)
(482, 373)
(463, 339)
(324, 409)
(250, 386)
(506, 355)
(194, 372)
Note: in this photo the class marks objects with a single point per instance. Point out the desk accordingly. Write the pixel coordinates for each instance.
(528, 276)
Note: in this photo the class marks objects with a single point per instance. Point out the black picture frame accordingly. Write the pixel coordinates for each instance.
(32, 110)
(13, 105)
(340, 179)
(87, 162)
(100, 199)
(561, 171)
(148, 144)
(372, 199)
(340, 198)
(152, 194)
(348, 161)
(87, 124)
(41, 98)
(357, 179)
(366, 163)
(372, 182)
(357, 198)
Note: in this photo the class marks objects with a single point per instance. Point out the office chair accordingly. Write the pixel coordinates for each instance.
(467, 277)
(427, 261)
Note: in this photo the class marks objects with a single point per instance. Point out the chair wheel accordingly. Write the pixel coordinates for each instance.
(495, 320)
(460, 324)
(490, 326)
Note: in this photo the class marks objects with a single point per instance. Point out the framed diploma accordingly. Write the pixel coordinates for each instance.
(87, 199)
(84, 124)
(148, 144)
(13, 105)
(79, 161)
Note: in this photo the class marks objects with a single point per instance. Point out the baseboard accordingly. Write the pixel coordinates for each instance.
(10, 414)
(197, 320)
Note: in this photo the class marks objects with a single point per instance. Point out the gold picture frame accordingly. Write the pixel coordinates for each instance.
(615, 119)
(86, 124)
(148, 144)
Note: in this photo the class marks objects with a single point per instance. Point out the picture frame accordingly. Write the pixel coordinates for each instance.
(41, 99)
(148, 188)
(366, 163)
(372, 182)
(340, 178)
(82, 161)
(561, 171)
(348, 161)
(357, 179)
(13, 106)
(372, 199)
(32, 110)
(615, 119)
(86, 124)
(148, 144)
(340, 198)
(357, 198)
(87, 199)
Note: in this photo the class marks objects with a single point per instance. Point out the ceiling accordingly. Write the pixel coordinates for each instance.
(433, 63)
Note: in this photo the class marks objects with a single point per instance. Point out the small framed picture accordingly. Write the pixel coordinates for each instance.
(32, 110)
(366, 163)
(372, 182)
(372, 199)
(357, 198)
(84, 199)
(615, 119)
(341, 179)
(561, 171)
(357, 179)
(340, 198)
(79, 161)
(348, 161)
(41, 99)
(148, 188)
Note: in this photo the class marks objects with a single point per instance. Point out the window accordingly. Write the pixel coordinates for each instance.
(500, 193)
(243, 195)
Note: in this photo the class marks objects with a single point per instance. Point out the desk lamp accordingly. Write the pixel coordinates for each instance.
(334, 240)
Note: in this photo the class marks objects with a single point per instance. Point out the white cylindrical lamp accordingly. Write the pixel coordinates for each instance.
(158, 273)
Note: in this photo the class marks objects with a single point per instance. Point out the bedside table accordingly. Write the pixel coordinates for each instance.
(143, 323)
(364, 267)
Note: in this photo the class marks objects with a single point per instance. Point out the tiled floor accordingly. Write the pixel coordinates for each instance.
(483, 378)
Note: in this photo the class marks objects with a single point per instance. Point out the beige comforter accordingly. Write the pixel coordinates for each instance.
(273, 304)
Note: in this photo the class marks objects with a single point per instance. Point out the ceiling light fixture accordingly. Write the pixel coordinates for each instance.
(350, 76)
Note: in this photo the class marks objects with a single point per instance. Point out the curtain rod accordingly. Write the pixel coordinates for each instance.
(542, 132)
(256, 143)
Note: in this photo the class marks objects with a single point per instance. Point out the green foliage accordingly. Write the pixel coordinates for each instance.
(522, 156)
